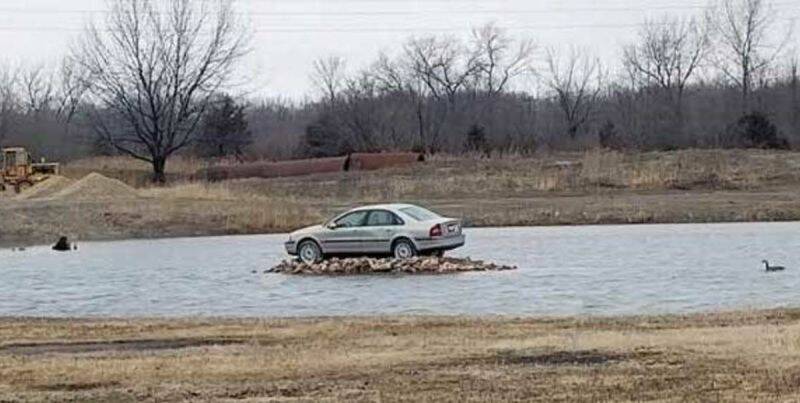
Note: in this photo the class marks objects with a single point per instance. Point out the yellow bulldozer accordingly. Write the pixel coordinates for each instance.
(20, 172)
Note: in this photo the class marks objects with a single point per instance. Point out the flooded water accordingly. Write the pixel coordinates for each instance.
(605, 270)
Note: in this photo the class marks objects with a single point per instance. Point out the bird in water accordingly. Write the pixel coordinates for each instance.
(772, 268)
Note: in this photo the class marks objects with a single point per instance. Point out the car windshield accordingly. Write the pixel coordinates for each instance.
(420, 214)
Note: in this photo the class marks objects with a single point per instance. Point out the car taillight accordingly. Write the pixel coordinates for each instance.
(436, 231)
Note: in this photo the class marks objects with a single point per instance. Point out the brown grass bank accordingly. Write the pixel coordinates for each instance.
(596, 187)
(747, 356)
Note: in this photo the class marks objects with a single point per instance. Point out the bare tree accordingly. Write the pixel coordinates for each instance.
(438, 70)
(444, 65)
(500, 58)
(9, 101)
(667, 55)
(329, 76)
(153, 70)
(576, 84)
(794, 88)
(746, 47)
(390, 74)
(37, 87)
(401, 76)
(70, 90)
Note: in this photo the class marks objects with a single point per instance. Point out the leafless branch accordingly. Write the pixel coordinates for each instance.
(576, 84)
(668, 54)
(9, 101)
(747, 46)
(500, 58)
(329, 76)
(155, 67)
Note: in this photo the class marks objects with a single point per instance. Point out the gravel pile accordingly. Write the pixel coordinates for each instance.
(94, 187)
(47, 188)
(419, 265)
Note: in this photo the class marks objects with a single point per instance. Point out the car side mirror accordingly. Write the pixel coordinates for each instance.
(332, 225)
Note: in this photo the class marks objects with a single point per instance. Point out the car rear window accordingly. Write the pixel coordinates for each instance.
(420, 214)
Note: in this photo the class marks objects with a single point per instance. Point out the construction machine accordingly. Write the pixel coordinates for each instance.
(20, 172)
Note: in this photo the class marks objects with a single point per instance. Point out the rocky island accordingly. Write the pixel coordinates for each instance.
(358, 266)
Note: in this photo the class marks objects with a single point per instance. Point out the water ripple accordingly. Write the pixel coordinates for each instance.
(602, 270)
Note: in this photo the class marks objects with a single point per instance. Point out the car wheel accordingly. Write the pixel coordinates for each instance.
(309, 252)
(404, 249)
(22, 186)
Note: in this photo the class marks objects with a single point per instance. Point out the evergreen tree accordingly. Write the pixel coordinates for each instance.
(225, 131)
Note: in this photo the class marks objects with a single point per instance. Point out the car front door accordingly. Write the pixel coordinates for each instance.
(381, 226)
(348, 234)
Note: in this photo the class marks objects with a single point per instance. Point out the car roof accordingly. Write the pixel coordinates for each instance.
(391, 206)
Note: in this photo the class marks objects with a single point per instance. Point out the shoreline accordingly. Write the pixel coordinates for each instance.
(591, 188)
(736, 355)
(724, 314)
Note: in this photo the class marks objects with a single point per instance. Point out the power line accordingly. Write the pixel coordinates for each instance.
(305, 30)
(350, 30)
(403, 12)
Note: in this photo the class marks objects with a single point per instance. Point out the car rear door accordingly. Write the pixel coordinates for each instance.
(381, 226)
(349, 234)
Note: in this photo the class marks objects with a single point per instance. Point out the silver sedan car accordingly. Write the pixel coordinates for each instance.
(399, 230)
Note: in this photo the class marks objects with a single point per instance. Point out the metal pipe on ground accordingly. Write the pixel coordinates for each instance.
(274, 169)
(352, 162)
(373, 161)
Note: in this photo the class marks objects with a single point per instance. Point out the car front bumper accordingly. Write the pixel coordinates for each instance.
(448, 243)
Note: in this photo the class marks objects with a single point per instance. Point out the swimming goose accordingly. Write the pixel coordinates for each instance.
(773, 268)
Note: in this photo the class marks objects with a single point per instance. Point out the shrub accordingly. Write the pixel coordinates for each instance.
(324, 139)
(476, 140)
(609, 137)
(224, 131)
(755, 130)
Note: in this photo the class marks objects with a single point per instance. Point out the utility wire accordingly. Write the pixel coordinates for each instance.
(566, 11)
(350, 30)
(305, 30)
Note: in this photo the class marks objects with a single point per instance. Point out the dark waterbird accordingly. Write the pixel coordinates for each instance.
(62, 245)
(773, 268)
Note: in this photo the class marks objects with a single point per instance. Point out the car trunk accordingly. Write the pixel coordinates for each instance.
(450, 227)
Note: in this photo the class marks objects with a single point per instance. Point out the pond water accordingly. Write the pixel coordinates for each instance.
(600, 270)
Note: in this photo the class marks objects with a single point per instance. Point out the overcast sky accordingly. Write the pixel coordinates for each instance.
(290, 34)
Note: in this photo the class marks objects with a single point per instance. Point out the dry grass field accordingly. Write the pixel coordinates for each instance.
(597, 187)
(746, 356)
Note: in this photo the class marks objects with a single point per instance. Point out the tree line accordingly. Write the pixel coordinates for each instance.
(154, 80)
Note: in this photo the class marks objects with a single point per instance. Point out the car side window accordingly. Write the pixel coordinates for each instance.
(382, 218)
(355, 219)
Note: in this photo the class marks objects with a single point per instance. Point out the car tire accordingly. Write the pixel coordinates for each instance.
(309, 252)
(22, 186)
(403, 249)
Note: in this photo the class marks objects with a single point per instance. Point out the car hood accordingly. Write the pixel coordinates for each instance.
(306, 231)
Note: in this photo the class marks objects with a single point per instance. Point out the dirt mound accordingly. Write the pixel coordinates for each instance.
(419, 265)
(95, 186)
(47, 188)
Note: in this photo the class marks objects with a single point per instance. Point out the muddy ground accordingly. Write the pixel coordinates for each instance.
(741, 356)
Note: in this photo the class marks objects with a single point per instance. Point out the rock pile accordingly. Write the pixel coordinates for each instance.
(418, 265)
